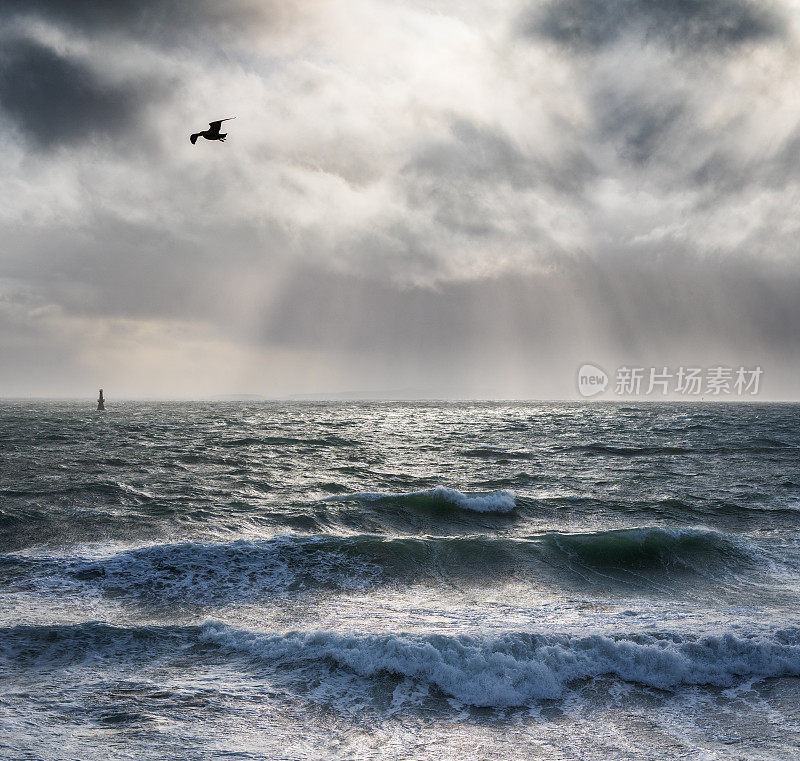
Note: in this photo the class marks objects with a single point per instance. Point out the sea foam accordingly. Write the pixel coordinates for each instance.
(502, 671)
(207, 573)
(519, 669)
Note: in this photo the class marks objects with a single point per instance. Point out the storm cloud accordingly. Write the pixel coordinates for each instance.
(691, 25)
(416, 198)
(58, 101)
(162, 21)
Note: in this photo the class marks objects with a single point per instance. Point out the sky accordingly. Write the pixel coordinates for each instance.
(417, 198)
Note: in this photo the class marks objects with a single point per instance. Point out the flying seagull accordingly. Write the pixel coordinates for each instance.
(213, 131)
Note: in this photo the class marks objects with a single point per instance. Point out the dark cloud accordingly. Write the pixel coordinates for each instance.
(642, 126)
(589, 25)
(158, 20)
(59, 101)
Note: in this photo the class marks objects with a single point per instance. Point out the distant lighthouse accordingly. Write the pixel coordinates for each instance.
(100, 401)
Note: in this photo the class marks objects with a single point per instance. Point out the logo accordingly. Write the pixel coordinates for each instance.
(684, 381)
(592, 380)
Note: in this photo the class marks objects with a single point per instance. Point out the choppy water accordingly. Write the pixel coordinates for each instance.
(358, 581)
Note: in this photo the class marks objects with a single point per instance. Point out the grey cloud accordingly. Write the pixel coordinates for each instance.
(259, 244)
(118, 268)
(459, 177)
(640, 127)
(59, 101)
(474, 153)
(482, 154)
(157, 20)
(728, 173)
(659, 132)
(589, 25)
(634, 308)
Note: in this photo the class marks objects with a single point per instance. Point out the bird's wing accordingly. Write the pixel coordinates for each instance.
(214, 127)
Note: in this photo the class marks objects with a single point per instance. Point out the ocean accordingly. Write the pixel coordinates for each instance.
(262, 580)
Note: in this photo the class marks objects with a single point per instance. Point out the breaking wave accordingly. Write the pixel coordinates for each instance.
(516, 669)
(501, 671)
(203, 573)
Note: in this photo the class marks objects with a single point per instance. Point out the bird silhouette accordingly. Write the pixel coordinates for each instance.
(213, 131)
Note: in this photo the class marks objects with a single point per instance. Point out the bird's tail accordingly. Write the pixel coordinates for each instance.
(194, 137)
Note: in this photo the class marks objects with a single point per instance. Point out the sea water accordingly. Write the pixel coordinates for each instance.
(399, 581)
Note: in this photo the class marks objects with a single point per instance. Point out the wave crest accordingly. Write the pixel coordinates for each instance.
(207, 573)
(518, 669)
(648, 547)
(503, 671)
(440, 498)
